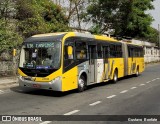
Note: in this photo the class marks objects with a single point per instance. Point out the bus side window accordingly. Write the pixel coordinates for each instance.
(68, 59)
(81, 50)
(99, 51)
(105, 53)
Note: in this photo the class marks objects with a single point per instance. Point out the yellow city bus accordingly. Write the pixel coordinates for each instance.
(72, 60)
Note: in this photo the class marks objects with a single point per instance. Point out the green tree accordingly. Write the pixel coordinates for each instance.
(9, 38)
(40, 16)
(102, 13)
(136, 23)
(126, 17)
(7, 9)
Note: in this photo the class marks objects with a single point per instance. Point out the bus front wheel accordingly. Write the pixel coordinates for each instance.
(81, 83)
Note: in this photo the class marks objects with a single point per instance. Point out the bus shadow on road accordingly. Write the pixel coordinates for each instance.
(41, 92)
(49, 93)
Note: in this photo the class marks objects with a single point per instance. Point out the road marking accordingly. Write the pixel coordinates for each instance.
(148, 82)
(1, 92)
(109, 97)
(133, 88)
(95, 103)
(157, 78)
(46, 122)
(72, 112)
(124, 91)
(141, 84)
(154, 79)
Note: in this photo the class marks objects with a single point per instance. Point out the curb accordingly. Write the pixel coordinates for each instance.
(9, 84)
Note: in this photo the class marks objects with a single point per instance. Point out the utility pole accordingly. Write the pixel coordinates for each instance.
(159, 35)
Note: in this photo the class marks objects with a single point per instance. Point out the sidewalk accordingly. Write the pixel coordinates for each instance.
(7, 82)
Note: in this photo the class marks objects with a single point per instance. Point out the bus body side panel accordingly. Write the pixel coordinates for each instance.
(125, 56)
(100, 70)
(135, 60)
(105, 73)
(83, 69)
(142, 65)
(130, 66)
(69, 79)
(116, 63)
(134, 63)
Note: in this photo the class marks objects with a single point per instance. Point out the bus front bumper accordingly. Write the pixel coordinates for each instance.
(55, 85)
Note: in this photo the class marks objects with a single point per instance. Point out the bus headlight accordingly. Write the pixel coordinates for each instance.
(57, 79)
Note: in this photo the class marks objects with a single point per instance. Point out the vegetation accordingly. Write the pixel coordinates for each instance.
(9, 37)
(40, 16)
(20, 19)
(126, 17)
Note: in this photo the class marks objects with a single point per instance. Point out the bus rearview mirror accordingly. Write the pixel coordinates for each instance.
(70, 50)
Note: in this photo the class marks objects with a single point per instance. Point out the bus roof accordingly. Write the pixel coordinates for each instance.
(87, 35)
(49, 34)
(99, 37)
(135, 44)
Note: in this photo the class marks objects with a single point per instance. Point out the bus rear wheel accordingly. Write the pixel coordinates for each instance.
(115, 76)
(137, 72)
(81, 84)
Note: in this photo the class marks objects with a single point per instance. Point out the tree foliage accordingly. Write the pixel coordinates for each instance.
(9, 38)
(20, 19)
(40, 16)
(126, 17)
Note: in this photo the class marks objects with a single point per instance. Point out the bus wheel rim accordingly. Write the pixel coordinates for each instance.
(137, 73)
(81, 83)
(115, 77)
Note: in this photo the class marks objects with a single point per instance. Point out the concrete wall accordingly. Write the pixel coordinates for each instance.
(8, 64)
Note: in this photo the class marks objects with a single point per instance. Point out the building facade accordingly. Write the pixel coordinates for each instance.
(151, 51)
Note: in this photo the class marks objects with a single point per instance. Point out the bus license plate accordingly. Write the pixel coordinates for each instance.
(36, 86)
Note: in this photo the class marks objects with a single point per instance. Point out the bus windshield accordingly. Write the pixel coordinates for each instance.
(40, 55)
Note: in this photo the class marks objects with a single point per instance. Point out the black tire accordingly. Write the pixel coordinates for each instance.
(81, 84)
(115, 76)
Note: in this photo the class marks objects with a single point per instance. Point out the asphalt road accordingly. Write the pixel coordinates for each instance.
(130, 96)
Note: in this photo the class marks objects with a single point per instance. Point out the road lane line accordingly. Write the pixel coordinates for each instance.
(95, 103)
(72, 112)
(124, 91)
(46, 122)
(141, 84)
(154, 79)
(109, 97)
(148, 82)
(133, 88)
(1, 92)
(157, 78)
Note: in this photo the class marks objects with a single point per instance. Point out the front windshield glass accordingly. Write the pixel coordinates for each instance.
(40, 55)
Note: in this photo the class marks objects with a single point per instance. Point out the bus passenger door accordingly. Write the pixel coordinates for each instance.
(100, 64)
(92, 68)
